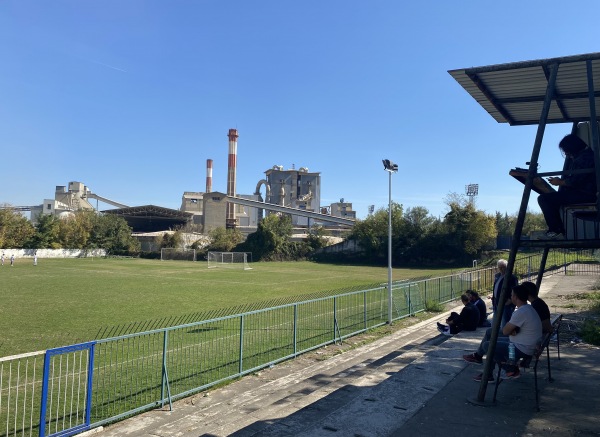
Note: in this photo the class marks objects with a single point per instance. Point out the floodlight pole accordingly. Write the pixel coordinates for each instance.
(390, 167)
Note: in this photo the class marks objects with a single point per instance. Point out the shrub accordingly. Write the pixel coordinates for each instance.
(590, 332)
(434, 306)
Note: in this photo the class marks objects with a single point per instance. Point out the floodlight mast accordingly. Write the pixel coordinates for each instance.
(472, 190)
(390, 167)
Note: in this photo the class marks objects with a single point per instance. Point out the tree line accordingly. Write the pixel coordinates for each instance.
(79, 230)
(418, 238)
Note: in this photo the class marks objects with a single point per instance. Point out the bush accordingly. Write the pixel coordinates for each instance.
(590, 332)
(149, 255)
(434, 307)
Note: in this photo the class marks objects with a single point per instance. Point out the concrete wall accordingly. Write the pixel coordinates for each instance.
(52, 253)
(350, 246)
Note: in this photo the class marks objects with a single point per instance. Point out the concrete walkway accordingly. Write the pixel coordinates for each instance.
(410, 383)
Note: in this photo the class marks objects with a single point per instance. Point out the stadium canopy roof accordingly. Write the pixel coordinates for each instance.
(151, 218)
(514, 93)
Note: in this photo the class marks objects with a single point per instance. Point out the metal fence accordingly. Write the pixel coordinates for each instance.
(63, 391)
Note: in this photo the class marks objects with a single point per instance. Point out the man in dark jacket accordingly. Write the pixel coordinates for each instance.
(467, 320)
(480, 305)
(507, 307)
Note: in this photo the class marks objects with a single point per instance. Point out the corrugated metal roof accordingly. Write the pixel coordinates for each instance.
(514, 93)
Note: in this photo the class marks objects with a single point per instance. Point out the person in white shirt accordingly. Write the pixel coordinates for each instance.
(523, 330)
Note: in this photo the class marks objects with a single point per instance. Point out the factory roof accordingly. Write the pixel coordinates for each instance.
(151, 218)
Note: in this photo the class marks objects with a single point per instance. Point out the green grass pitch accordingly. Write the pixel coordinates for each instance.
(65, 301)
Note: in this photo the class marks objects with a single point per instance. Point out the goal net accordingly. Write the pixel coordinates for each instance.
(177, 254)
(228, 259)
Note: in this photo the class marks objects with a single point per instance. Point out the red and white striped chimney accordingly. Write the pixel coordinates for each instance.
(231, 173)
(209, 167)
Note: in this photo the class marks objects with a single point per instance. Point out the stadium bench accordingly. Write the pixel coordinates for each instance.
(535, 358)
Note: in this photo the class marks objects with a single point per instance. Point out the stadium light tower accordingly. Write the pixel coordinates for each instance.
(390, 167)
(472, 190)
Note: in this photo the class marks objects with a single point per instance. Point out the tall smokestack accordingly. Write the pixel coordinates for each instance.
(209, 163)
(231, 170)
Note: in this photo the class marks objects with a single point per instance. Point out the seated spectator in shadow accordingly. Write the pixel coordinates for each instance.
(480, 305)
(467, 320)
(524, 330)
(539, 305)
(573, 187)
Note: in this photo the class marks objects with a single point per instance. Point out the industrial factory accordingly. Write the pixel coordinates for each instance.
(296, 192)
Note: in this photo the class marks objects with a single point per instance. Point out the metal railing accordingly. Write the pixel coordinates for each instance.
(74, 388)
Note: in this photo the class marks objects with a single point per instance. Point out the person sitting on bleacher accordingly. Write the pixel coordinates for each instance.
(572, 188)
(467, 320)
(539, 306)
(524, 330)
(480, 305)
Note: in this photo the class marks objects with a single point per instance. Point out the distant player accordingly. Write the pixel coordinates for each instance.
(12, 259)
(2, 258)
(35, 259)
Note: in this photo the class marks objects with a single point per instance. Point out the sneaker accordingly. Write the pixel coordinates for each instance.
(473, 358)
(478, 378)
(551, 235)
(510, 374)
(447, 332)
(442, 328)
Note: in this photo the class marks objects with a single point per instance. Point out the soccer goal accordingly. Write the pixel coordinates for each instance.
(229, 259)
(167, 253)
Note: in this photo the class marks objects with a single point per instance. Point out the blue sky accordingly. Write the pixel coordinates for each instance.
(132, 97)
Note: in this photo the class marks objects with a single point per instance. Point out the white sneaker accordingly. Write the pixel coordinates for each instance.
(447, 332)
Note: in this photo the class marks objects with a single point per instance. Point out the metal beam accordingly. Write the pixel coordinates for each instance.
(288, 210)
(505, 292)
(18, 208)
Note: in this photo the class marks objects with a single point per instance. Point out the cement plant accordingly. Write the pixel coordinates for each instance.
(296, 192)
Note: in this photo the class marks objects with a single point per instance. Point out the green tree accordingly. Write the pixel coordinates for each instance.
(76, 229)
(534, 221)
(224, 240)
(505, 223)
(316, 237)
(372, 233)
(271, 241)
(171, 240)
(112, 233)
(469, 230)
(15, 230)
(46, 234)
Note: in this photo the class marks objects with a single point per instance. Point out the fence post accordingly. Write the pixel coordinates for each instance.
(295, 329)
(365, 309)
(241, 368)
(90, 381)
(471, 280)
(334, 318)
(42, 432)
(165, 375)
